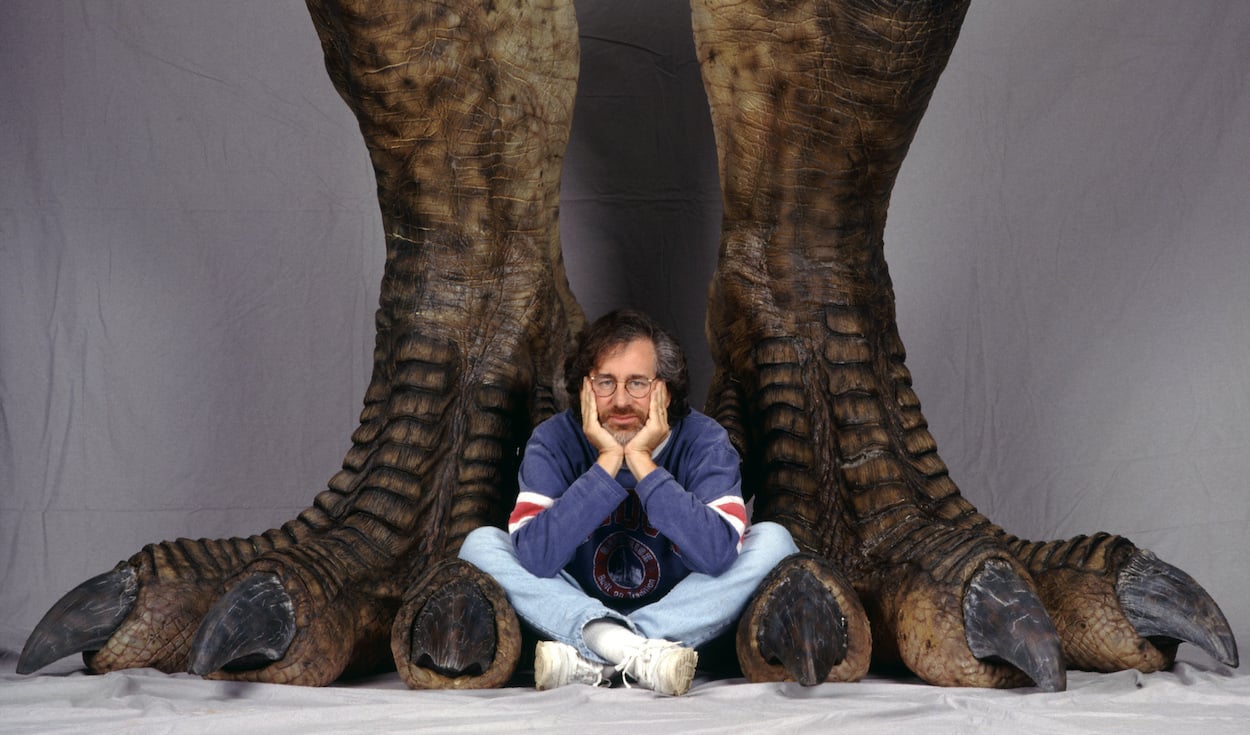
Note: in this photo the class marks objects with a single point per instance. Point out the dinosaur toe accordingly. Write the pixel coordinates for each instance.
(1159, 600)
(454, 634)
(803, 629)
(974, 619)
(1005, 620)
(455, 630)
(805, 624)
(250, 626)
(84, 619)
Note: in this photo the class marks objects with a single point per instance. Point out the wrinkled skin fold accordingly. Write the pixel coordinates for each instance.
(465, 108)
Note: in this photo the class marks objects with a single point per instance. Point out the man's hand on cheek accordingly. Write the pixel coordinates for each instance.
(611, 453)
(638, 450)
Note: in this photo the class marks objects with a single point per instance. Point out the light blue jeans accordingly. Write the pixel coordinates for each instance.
(696, 610)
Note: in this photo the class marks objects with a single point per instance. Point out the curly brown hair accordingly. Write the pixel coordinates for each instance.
(618, 328)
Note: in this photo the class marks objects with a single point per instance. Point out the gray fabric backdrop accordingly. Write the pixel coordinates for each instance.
(190, 254)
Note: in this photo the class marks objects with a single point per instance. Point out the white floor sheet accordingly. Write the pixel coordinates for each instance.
(1197, 696)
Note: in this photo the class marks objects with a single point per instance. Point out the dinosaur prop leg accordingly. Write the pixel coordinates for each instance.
(814, 104)
(465, 109)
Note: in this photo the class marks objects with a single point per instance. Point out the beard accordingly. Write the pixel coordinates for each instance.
(623, 436)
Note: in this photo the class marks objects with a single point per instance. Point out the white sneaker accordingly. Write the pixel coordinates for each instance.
(557, 664)
(664, 667)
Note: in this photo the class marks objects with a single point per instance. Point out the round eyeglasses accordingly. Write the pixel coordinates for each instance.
(605, 385)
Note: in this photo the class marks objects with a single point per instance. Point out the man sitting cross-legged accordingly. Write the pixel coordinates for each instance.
(628, 547)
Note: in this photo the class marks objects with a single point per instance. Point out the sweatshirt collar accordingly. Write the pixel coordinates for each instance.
(655, 453)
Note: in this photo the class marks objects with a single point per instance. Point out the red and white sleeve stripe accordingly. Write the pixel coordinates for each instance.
(731, 508)
(528, 505)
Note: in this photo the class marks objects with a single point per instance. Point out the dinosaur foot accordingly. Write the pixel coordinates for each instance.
(456, 630)
(84, 619)
(804, 624)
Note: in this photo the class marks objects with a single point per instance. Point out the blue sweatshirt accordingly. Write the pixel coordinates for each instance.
(627, 542)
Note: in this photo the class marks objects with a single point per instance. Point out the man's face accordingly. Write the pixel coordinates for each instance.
(620, 413)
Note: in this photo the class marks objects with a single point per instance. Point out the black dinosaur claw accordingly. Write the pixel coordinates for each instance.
(1160, 600)
(83, 620)
(249, 627)
(454, 633)
(1005, 620)
(803, 629)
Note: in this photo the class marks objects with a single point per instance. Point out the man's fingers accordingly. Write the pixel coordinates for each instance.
(599, 436)
(659, 404)
(589, 413)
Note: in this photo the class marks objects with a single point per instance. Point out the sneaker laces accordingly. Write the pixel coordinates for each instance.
(600, 680)
(643, 655)
(575, 664)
